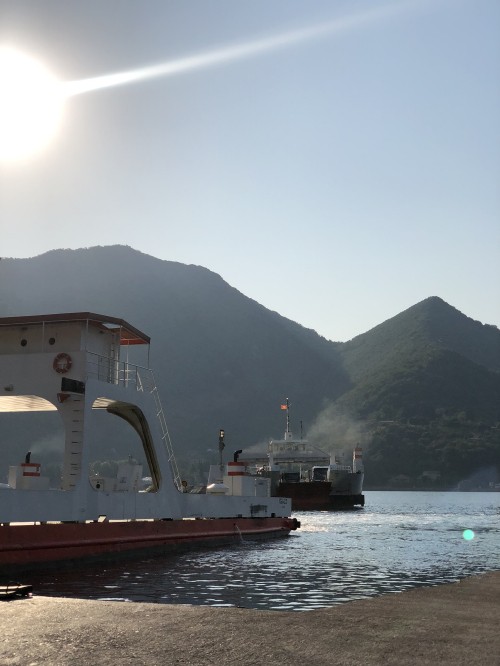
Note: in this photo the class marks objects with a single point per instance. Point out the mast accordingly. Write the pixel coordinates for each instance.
(286, 406)
(221, 447)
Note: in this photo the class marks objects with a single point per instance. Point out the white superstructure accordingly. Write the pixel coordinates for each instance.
(71, 364)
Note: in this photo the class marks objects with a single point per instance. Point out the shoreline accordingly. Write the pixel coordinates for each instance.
(452, 623)
(432, 490)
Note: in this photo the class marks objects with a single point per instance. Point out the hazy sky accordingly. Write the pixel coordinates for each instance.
(337, 179)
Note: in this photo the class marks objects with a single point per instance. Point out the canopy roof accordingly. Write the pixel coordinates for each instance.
(129, 335)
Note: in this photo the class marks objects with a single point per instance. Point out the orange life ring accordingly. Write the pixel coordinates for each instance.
(62, 363)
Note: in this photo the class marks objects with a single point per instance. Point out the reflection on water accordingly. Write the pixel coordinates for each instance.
(399, 541)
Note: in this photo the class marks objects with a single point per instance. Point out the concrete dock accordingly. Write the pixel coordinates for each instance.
(451, 624)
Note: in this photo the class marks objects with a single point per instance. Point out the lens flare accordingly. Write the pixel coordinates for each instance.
(468, 535)
(238, 51)
(31, 99)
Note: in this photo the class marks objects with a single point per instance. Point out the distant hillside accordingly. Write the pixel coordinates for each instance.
(427, 383)
(412, 390)
(419, 332)
(430, 357)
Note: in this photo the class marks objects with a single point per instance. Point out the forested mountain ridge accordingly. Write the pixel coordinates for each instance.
(417, 387)
(428, 357)
(426, 386)
(418, 333)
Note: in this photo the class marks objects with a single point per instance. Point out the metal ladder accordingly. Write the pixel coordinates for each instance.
(165, 435)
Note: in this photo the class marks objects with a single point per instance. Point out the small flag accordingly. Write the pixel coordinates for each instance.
(284, 407)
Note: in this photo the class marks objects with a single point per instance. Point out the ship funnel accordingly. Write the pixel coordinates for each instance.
(357, 459)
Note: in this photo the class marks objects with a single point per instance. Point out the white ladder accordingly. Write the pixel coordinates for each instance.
(165, 436)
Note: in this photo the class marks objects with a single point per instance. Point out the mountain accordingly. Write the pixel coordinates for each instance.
(430, 324)
(421, 391)
(427, 358)
(426, 384)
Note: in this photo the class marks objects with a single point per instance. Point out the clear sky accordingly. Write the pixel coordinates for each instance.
(337, 179)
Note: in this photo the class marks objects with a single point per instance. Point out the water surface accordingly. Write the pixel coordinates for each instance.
(398, 541)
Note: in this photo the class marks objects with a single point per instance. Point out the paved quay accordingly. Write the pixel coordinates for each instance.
(448, 624)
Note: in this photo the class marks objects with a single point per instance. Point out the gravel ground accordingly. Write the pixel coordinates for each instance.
(447, 624)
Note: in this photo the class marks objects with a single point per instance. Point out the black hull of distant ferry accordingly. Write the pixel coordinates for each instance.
(318, 496)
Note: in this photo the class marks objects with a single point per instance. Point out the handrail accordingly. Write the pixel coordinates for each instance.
(111, 371)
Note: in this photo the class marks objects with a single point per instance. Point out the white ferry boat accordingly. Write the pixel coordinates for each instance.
(72, 364)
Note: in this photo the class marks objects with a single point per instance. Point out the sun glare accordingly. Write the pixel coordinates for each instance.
(31, 101)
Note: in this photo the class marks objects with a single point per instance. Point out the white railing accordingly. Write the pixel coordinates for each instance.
(121, 373)
(340, 468)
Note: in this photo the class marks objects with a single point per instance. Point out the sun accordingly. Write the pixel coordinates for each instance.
(31, 103)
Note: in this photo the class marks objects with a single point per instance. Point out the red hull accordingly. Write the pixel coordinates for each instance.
(23, 545)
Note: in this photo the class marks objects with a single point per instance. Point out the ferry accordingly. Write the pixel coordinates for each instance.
(73, 364)
(314, 479)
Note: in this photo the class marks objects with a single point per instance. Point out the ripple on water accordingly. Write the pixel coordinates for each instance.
(400, 541)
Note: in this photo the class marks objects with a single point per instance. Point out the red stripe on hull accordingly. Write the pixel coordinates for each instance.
(38, 544)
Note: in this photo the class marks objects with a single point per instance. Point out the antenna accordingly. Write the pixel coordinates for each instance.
(221, 444)
(286, 406)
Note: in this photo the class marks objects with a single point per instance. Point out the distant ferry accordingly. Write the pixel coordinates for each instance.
(71, 364)
(313, 479)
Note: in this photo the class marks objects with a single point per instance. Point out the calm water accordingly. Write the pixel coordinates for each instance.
(399, 541)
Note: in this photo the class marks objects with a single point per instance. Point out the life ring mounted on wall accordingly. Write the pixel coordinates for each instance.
(62, 363)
